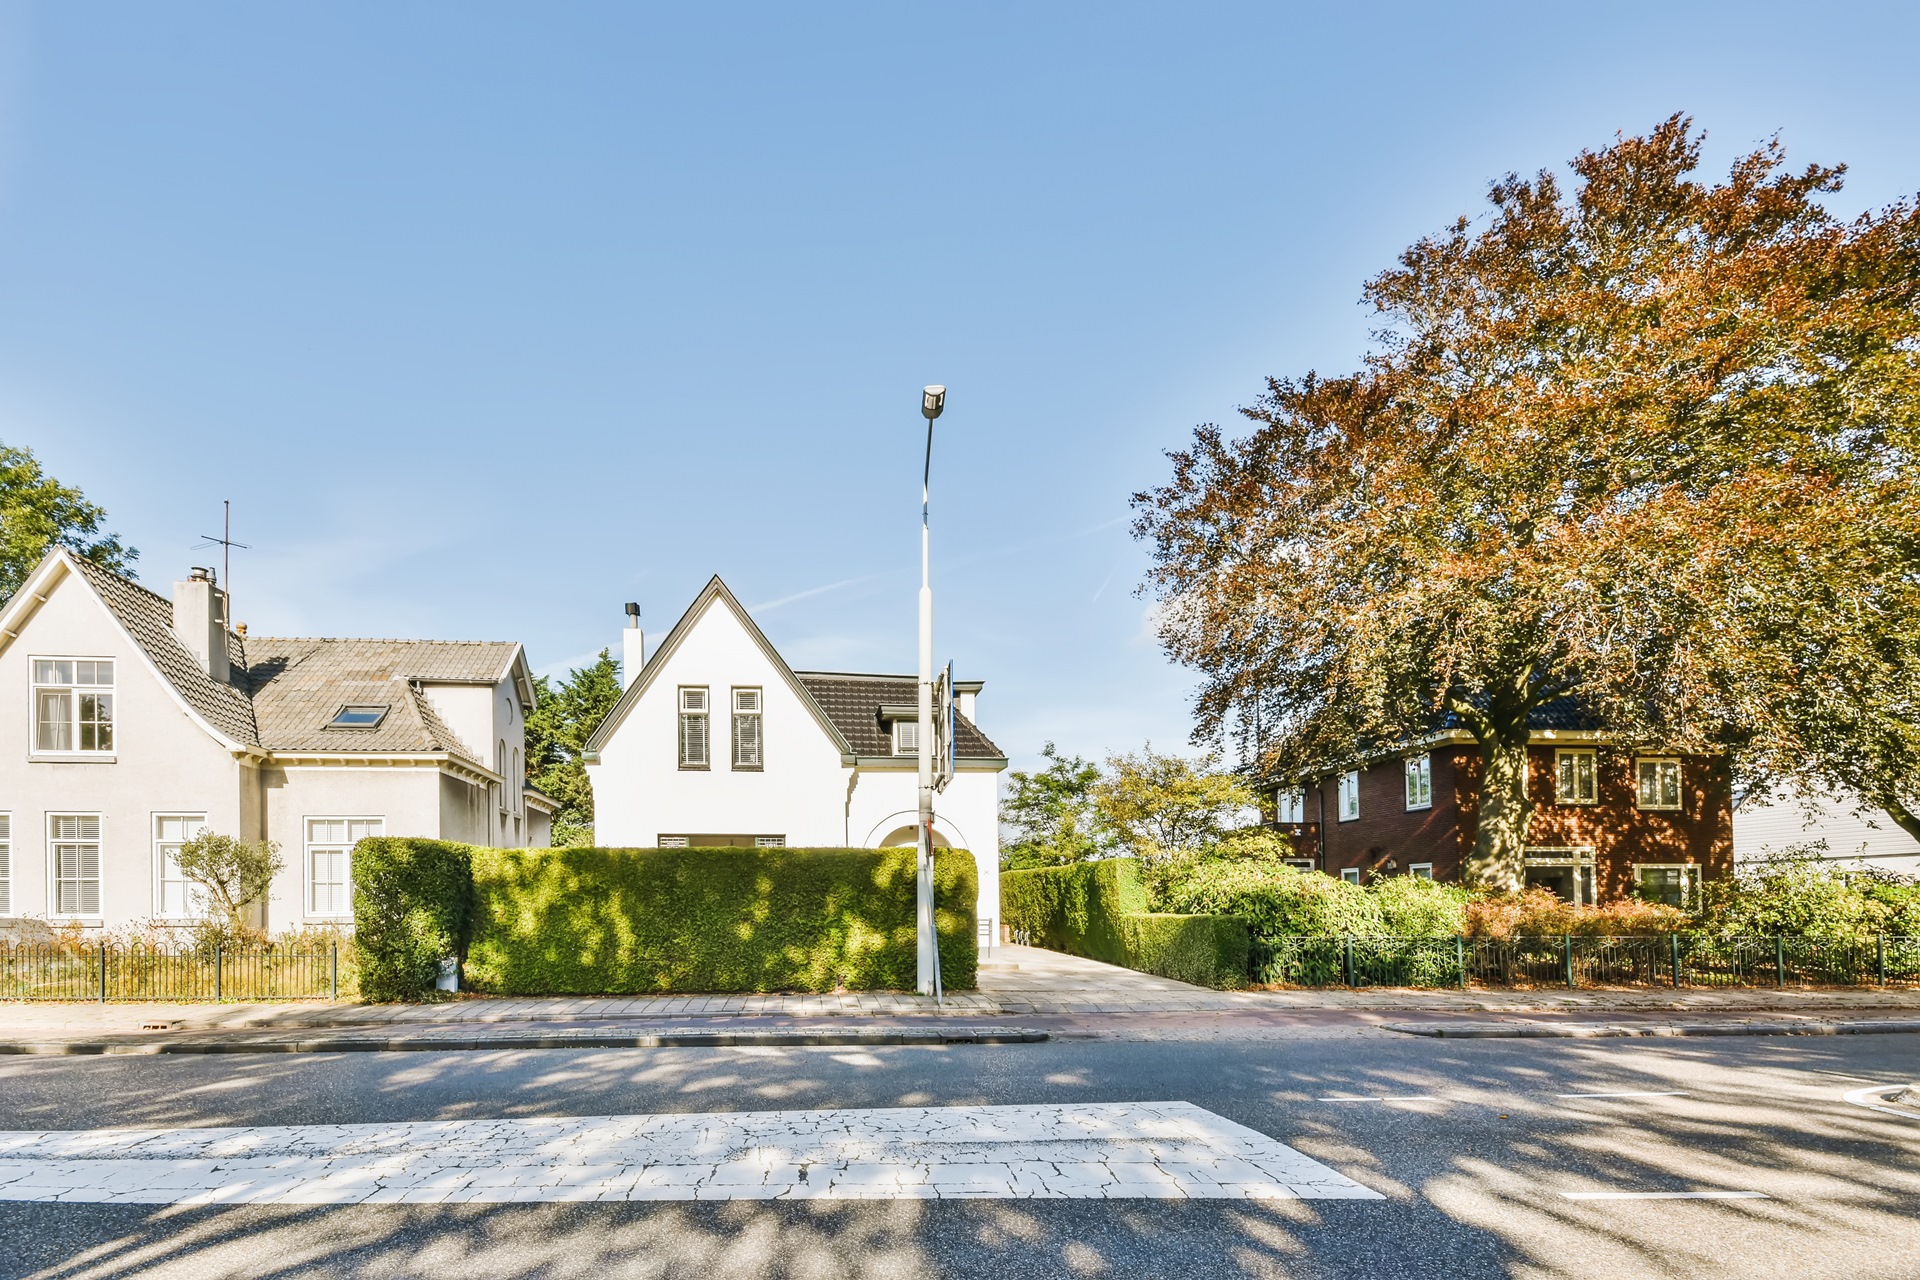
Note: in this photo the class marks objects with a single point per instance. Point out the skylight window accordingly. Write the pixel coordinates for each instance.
(357, 718)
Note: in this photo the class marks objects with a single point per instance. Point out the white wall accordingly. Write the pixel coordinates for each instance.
(491, 722)
(163, 762)
(1850, 840)
(640, 791)
(966, 814)
(407, 799)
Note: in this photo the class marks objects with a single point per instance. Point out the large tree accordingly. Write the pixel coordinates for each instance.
(563, 718)
(1650, 444)
(1049, 813)
(37, 513)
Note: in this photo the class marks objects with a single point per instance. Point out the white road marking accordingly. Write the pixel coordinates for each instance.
(1168, 1150)
(1662, 1093)
(1666, 1195)
(1872, 1099)
(1418, 1097)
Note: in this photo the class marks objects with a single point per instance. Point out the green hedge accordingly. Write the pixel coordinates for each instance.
(1099, 910)
(621, 921)
(411, 909)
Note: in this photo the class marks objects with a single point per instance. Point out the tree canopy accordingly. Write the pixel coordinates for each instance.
(1649, 445)
(1049, 812)
(563, 717)
(38, 513)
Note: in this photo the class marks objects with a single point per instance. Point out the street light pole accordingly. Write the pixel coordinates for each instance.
(932, 401)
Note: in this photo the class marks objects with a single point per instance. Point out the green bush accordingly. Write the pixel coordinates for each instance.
(1797, 894)
(412, 903)
(1099, 910)
(1414, 908)
(585, 921)
(1274, 899)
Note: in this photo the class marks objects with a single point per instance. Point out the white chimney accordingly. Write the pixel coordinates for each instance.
(200, 622)
(633, 647)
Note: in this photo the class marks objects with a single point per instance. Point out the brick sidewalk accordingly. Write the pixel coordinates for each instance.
(1015, 981)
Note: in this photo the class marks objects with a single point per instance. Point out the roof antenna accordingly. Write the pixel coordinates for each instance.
(226, 542)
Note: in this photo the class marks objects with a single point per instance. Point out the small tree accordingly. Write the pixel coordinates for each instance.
(234, 874)
(564, 717)
(1159, 804)
(1050, 812)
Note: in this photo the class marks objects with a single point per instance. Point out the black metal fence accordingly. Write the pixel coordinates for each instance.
(1669, 960)
(105, 971)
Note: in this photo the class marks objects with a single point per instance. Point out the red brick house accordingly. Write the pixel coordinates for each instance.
(1607, 821)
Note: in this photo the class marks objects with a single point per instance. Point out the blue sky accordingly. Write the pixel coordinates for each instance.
(491, 317)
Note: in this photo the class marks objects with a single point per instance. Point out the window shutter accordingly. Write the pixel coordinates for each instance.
(6, 865)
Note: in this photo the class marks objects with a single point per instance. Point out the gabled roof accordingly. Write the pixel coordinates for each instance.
(297, 686)
(714, 592)
(284, 691)
(856, 702)
(148, 618)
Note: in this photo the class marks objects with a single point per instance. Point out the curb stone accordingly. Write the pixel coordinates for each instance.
(1592, 1030)
(441, 1044)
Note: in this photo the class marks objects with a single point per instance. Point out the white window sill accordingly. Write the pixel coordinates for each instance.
(1416, 808)
(1561, 800)
(71, 757)
(85, 922)
(1662, 808)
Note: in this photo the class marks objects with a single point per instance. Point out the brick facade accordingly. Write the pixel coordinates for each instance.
(1619, 832)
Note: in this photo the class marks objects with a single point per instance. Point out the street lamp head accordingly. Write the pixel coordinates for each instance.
(932, 401)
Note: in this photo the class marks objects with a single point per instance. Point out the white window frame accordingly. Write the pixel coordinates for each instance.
(55, 879)
(310, 846)
(1290, 800)
(904, 728)
(1562, 794)
(192, 896)
(671, 842)
(1299, 864)
(1350, 874)
(1420, 870)
(688, 713)
(758, 718)
(1419, 782)
(6, 865)
(74, 691)
(769, 842)
(1640, 764)
(1348, 805)
(1689, 877)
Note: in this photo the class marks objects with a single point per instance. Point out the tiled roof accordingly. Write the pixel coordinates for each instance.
(149, 619)
(853, 703)
(284, 691)
(1555, 713)
(297, 686)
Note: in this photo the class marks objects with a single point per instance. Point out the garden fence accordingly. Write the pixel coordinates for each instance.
(1570, 960)
(106, 971)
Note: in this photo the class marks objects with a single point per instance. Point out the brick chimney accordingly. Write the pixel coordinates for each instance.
(200, 622)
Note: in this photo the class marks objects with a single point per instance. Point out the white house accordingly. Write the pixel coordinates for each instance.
(1868, 840)
(128, 722)
(716, 741)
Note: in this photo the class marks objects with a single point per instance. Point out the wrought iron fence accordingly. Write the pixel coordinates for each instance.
(1676, 960)
(106, 971)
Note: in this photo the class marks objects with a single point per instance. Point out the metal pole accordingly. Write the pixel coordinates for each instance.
(1566, 947)
(1349, 960)
(1779, 961)
(333, 972)
(1880, 946)
(1460, 958)
(929, 965)
(217, 966)
(1674, 938)
(103, 971)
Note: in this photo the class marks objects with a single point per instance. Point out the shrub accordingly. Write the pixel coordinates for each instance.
(233, 874)
(1539, 913)
(1414, 908)
(1098, 910)
(1797, 894)
(606, 921)
(1274, 899)
(412, 904)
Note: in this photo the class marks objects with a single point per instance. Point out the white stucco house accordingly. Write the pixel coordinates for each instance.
(1854, 838)
(717, 742)
(129, 721)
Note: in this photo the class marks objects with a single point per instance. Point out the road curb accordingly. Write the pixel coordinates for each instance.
(443, 1044)
(1595, 1030)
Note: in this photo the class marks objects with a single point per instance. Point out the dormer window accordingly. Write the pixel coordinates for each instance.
(906, 737)
(73, 705)
(357, 718)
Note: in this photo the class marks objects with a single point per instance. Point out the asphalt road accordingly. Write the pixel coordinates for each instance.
(1474, 1180)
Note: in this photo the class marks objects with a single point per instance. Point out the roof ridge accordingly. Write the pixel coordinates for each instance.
(380, 640)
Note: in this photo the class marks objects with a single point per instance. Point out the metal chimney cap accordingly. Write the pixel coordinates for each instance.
(201, 574)
(633, 609)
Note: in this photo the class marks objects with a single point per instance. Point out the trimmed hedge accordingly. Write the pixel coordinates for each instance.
(624, 921)
(1099, 910)
(411, 908)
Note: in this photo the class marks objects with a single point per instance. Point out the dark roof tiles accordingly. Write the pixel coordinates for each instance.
(853, 703)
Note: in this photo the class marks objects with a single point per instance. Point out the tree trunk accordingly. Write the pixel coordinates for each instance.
(1903, 817)
(1498, 860)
